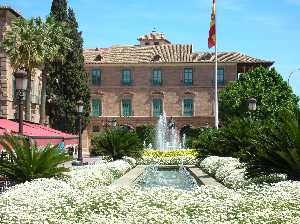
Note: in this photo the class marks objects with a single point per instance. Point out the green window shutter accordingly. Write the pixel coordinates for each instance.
(126, 77)
(188, 76)
(221, 76)
(157, 107)
(156, 77)
(188, 107)
(96, 108)
(126, 108)
(96, 77)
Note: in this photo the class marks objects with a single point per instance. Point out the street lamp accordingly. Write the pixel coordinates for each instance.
(21, 86)
(79, 111)
(252, 104)
(292, 74)
(114, 123)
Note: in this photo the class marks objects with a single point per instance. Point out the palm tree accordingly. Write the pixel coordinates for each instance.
(31, 44)
(28, 162)
(22, 44)
(55, 43)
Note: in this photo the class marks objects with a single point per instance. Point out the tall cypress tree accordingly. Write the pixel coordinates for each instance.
(59, 10)
(68, 81)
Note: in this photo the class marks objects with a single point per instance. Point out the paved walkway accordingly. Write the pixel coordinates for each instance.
(90, 160)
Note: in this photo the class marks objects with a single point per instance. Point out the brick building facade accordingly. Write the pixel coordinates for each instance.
(134, 84)
(7, 83)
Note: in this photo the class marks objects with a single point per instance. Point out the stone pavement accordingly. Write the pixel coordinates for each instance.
(89, 159)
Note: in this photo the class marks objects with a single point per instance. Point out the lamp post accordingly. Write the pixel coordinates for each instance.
(292, 74)
(21, 85)
(252, 105)
(114, 123)
(79, 111)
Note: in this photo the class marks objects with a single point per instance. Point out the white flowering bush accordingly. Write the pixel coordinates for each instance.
(98, 174)
(56, 201)
(231, 172)
(171, 160)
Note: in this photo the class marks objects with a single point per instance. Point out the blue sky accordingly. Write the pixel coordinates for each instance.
(267, 29)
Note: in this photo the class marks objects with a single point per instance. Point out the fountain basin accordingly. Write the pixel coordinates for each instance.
(132, 177)
(166, 176)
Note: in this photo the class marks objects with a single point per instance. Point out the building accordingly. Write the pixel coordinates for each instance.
(7, 82)
(135, 84)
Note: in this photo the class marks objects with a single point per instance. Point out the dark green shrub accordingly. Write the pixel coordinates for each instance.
(277, 150)
(235, 140)
(206, 141)
(146, 133)
(28, 162)
(192, 135)
(116, 143)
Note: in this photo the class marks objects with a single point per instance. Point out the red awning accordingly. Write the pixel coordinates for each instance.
(40, 134)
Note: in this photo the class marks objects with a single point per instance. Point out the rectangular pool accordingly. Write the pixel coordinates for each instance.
(179, 178)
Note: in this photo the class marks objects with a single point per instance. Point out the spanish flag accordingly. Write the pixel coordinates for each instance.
(212, 30)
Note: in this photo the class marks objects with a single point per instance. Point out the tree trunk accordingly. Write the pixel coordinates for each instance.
(28, 98)
(43, 97)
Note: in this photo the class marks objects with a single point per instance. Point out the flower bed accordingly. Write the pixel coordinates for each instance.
(84, 197)
(99, 174)
(172, 157)
(56, 201)
(171, 153)
(230, 172)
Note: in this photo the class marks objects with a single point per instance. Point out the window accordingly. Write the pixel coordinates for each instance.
(147, 43)
(221, 76)
(156, 43)
(96, 108)
(126, 77)
(188, 107)
(156, 77)
(126, 108)
(157, 107)
(96, 77)
(188, 76)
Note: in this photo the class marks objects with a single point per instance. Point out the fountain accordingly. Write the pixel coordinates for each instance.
(166, 135)
(158, 176)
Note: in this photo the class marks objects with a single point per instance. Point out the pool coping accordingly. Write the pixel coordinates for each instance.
(130, 177)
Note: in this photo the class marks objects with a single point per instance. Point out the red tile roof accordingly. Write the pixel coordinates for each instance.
(168, 53)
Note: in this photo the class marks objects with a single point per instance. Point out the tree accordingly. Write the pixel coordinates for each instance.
(117, 142)
(56, 42)
(272, 93)
(28, 162)
(68, 81)
(24, 48)
(31, 44)
(277, 149)
(59, 10)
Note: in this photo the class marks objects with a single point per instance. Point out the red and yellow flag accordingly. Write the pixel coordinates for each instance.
(212, 30)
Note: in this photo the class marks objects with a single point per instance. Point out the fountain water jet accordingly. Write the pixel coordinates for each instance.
(166, 135)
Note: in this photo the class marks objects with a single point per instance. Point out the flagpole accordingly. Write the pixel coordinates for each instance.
(216, 74)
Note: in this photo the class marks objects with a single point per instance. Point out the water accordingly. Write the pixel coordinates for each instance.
(167, 137)
(169, 177)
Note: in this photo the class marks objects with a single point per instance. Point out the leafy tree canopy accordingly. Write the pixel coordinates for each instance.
(272, 93)
(68, 82)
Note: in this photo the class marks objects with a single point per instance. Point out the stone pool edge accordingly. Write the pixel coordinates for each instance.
(130, 177)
